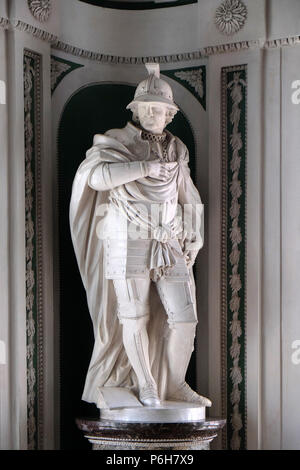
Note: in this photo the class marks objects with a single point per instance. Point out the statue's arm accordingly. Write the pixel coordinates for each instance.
(106, 176)
(192, 209)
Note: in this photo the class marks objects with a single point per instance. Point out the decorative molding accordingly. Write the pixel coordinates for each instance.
(57, 70)
(193, 78)
(165, 59)
(40, 9)
(33, 231)
(276, 43)
(60, 68)
(233, 267)
(99, 57)
(231, 16)
(4, 23)
(173, 58)
(36, 32)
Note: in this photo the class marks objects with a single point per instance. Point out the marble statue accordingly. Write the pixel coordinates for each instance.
(137, 225)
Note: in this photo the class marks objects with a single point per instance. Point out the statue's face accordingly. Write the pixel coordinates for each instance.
(152, 116)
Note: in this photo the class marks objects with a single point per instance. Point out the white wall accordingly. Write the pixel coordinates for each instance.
(271, 255)
(5, 403)
(153, 32)
(273, 197)
(290, 251)
(253, 217)
(280, 324)
(283, 18)
(13, 395)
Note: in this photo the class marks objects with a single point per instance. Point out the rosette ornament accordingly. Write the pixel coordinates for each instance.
(231, 16)
(40, 9)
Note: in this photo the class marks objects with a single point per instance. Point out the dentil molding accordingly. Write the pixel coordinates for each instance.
(164, 59)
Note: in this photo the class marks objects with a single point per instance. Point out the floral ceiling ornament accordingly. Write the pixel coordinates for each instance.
(231, 16)
(40, 9)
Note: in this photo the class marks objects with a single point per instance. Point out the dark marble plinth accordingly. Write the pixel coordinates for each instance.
(112, 435)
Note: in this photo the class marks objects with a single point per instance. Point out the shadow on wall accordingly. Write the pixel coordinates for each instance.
(92, 110)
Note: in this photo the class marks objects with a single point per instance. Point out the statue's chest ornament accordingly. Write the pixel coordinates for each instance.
(155, 140)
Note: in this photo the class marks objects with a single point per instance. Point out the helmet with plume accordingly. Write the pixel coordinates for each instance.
(153, 89)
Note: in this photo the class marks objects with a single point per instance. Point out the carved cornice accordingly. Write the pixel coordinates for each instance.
(164, 59)
(273, 43)
(186, 56)
(36, 32)
(99, 57)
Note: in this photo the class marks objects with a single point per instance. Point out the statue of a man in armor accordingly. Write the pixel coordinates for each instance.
(136, 224)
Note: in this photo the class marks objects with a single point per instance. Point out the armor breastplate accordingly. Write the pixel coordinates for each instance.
(126, 257)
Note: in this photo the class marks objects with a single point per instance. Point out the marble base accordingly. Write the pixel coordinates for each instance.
(113, 435)
(167, 412)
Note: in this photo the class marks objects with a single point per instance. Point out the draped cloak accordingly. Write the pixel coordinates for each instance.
(109, 365)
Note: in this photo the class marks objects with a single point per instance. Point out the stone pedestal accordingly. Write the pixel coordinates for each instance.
(114, 435)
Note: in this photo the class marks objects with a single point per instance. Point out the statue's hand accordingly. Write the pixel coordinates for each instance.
(190, 257)
(158, 170)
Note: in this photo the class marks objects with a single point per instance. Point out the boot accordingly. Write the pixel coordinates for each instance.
(180, 345)
(136, 343)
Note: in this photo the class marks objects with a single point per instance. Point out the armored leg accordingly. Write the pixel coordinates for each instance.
(182, 319)
(134, 315)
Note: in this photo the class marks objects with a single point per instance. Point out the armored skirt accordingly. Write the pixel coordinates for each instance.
(126, 259)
